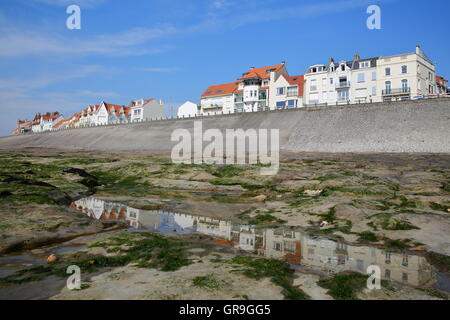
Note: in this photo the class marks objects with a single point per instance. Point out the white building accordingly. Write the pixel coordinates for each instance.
(405, 76)
(266, 88)
(188, 109)
(146, 109)
(328, 84)
(108, 113)
(399, 77)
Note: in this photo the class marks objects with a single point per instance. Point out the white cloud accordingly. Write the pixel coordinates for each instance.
(43, 81)
(18, 43)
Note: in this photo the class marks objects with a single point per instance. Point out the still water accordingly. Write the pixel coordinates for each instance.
(292, 245)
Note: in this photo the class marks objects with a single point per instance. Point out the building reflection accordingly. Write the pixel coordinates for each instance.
(293, 246)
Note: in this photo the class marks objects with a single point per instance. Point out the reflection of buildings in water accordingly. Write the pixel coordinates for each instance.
(282, 244)
(292, 246)
(215, 228)
(337, 257)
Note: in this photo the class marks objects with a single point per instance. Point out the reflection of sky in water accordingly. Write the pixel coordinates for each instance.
(292, 245)
(171, 223)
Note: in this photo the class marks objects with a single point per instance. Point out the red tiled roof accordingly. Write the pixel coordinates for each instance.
(220, 89)
(297, 80)
(60, 123)
(261, 73)
(441, 80)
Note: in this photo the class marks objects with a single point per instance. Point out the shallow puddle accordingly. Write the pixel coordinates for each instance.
(295, 246)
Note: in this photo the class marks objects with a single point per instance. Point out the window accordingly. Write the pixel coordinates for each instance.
(360, 265)
(430, 76)
(277, 246)
(387, 257)
(280, 91)
(361, 77)
(387, 274)
(387, 71)
(374, 75)
(364, 64)
(388, 87)
(404, 69)
(343, 67)
(405, 88)
(331, 80)
(405, 260)
(374, 91)
(313, 85)
(281, 104)
(405, 277)
(292, 91)
(289, 246)
(291, 103)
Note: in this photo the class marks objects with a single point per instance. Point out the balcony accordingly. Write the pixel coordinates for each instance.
(343, 85)
(398, 91)
(212, 106)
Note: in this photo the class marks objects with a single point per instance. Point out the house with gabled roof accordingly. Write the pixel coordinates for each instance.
(146, 109)
(49, 119)
(441, 85)
(258, 89)
(108, 113)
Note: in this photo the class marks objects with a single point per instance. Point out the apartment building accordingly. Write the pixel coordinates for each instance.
(146, 109)
(405, 76)
(328, 84)
(258, 89)
(398, 77)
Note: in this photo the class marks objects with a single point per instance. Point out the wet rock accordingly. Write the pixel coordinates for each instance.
(344, 211)
(52, 258)
(312, 192)
(260, 198)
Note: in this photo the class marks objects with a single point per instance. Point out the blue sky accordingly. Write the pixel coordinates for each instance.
(174, 49)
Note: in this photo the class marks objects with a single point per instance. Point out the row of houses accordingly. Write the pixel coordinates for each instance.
(94, 115)
(294, 246)
(361, 80)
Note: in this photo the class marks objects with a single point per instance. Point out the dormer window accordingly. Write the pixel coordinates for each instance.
(364, 64)
(342, 67)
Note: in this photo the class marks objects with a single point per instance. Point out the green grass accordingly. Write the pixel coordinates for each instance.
(278, 271)
(438, 207)
(345, 286)
(208, 282)
(144, 250)
(367, 236)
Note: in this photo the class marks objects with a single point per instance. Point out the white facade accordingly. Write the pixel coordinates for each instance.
(146, 109)
(405, 76)
(187, 110)
(399, 77)
(267, 88)
(328, 84)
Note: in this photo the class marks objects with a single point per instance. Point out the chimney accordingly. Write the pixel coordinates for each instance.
(357, 57)
(331, 60)
(417, 49)
(283, 62)
(161, 102)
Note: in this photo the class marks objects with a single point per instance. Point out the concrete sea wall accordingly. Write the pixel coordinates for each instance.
(410, 126)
